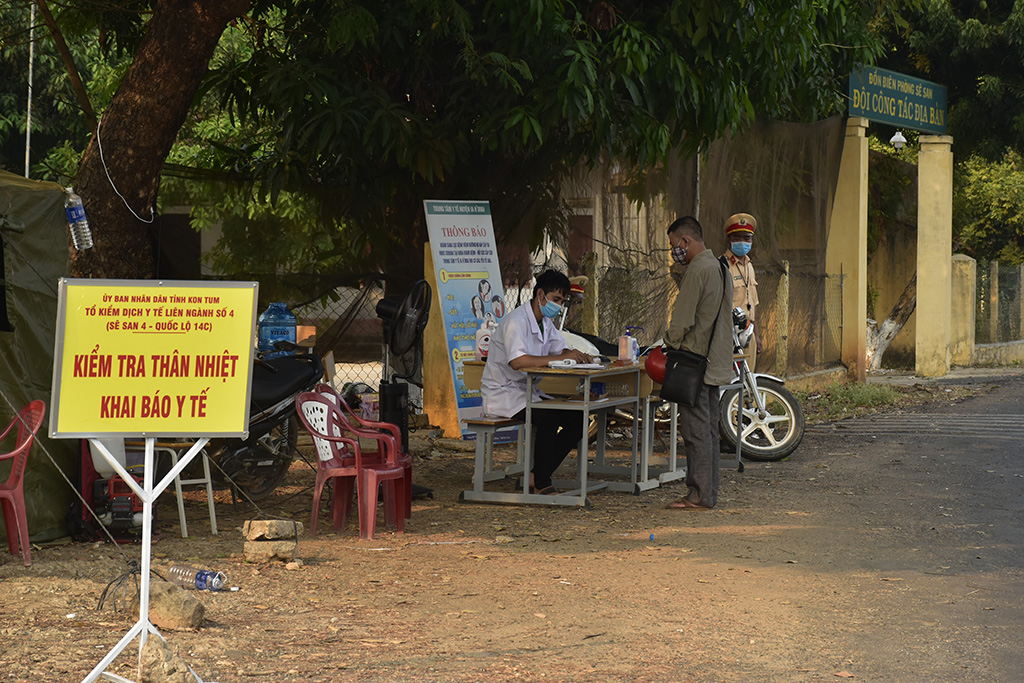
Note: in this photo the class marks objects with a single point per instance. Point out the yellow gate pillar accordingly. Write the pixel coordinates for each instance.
(847, 250)
(934, 254)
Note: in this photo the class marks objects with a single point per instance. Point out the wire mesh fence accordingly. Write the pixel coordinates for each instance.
(799, 320)
(347, 325)
(998, 308)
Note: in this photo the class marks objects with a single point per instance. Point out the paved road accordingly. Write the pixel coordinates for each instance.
(947, 426)
(924, 553)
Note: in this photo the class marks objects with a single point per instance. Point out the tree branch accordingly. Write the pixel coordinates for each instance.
(69, 64)
(880, 336)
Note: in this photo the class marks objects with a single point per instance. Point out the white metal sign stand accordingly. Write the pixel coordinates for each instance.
(140, 358)
(148, 494)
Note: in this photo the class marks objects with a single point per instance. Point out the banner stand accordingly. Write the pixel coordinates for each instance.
(148, 493)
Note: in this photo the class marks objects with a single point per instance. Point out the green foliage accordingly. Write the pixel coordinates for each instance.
(892, 172)
(988, 210)
(371, 107)
(976, 50)
(59, 131)
(341, 116)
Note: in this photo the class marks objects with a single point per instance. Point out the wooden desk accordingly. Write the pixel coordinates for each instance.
(627, 376)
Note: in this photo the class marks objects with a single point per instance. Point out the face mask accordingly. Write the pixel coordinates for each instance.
(550, 309)
(740, 248)
(679, 255)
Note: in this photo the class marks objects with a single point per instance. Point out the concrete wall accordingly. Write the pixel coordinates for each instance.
(963, 310)
(1006, 353)
(890, 268)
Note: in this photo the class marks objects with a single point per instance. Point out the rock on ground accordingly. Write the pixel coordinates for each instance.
(159, 665)
(173, 608)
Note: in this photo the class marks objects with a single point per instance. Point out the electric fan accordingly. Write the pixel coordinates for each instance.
(404, 321)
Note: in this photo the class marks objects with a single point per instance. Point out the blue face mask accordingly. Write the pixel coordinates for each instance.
(550, 309)
(740, 248)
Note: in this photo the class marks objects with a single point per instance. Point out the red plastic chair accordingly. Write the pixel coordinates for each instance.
(340, 457)
(386, 435)
(12, 495)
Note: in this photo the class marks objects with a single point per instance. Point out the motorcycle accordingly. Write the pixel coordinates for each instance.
(772, 419)
(257, 464)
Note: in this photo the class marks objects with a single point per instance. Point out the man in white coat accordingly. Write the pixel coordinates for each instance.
(527, 337)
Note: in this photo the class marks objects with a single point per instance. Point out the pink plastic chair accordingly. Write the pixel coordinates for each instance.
(387, 436)
(12, 495)
(341, 458)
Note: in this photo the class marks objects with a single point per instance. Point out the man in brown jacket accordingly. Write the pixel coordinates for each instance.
(699, 323)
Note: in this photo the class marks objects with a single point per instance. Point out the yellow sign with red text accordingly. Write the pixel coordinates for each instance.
(148, 358)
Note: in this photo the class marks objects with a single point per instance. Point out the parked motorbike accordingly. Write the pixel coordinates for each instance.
(772, 419)
(257, 464)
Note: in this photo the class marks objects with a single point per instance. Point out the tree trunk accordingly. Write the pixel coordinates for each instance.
(880, 336)
(137, 130)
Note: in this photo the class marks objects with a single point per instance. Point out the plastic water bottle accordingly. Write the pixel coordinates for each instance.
(277, 323)
(191, 578)
(81, 235)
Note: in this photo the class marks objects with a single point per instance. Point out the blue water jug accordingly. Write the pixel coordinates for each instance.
(277, 323)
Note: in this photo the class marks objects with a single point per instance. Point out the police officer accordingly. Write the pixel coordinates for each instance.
(739, 232)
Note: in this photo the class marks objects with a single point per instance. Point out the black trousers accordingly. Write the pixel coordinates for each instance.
(555, 433)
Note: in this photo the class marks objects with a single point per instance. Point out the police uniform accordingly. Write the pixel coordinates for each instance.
(744, 281)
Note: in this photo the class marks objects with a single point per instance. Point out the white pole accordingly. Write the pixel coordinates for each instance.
(31, 61)
(148, 493)
(696, 184)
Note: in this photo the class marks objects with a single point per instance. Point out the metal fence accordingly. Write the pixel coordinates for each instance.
(807, 335)
(347, 325)
(998, 306)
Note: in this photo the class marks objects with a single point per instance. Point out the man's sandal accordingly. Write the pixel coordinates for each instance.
(684, 504)
(546, 491)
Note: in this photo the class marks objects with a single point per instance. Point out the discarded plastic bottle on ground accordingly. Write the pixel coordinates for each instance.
(191, 578)
(81, 234)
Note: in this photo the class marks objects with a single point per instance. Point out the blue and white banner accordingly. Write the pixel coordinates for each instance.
(469, 284)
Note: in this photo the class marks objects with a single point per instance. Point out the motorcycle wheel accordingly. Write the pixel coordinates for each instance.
(766, 438)
(259, 469)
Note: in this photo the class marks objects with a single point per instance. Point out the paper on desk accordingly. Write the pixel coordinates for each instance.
(570, 363)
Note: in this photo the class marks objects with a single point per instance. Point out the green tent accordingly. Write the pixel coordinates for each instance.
(34, 250)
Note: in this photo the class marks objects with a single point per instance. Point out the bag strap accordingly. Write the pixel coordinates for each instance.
(725, 284)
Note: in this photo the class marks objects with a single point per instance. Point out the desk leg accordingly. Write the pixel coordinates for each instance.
(584, 452)
(528, 446)
(480, 460)
(634, 475)
(647, 447)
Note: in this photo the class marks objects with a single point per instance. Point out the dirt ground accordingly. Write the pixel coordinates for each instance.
(798, 575)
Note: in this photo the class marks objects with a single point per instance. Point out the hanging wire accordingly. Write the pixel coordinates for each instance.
(99, 145)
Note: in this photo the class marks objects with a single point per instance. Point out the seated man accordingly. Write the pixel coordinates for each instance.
(527, 337)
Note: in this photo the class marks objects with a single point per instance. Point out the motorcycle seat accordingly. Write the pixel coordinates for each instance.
(294, 374)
